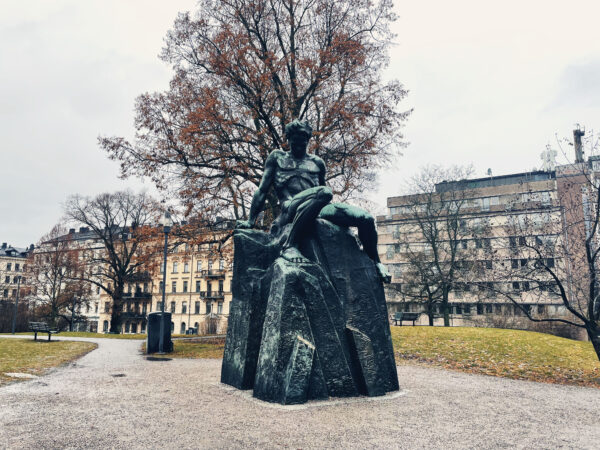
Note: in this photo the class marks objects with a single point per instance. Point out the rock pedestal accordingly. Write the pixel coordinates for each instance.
(312, 330)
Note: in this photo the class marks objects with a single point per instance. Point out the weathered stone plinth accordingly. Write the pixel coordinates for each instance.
(301, 331)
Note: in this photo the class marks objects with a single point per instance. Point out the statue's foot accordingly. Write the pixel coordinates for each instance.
(383, 273)
(292, 254)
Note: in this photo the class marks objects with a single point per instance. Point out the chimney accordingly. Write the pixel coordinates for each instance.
(577, 143)
(4, 245)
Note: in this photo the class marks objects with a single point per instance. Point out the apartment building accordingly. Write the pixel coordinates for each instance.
(14, 270)
(198, 288)
(502, 224)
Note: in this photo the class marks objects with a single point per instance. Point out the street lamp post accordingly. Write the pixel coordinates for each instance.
(167, 223)
(14, 324)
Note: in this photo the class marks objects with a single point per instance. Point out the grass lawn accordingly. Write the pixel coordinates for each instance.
(85, 334)
(521, 355)
(35, 357)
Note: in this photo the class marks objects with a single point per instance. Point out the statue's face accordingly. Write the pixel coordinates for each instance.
(298, 143)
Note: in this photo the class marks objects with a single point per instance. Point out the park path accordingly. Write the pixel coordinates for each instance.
(114, 398)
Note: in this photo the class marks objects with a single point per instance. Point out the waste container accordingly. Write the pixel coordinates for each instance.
(153, 336)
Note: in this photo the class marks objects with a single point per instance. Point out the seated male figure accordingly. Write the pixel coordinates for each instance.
(299, 182)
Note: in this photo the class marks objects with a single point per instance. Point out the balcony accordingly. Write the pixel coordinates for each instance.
(137, 295)
(212, 273)
(133, 315)
(213, 295)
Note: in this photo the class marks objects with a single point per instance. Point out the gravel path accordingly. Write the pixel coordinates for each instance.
(181, 404)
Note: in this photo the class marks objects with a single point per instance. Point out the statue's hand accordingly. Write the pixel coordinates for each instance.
(243, 224)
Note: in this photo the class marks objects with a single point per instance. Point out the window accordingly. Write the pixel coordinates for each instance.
(97, 289)
(515, 286)
(105, 326)
(96, 307)
(467, 309)
(162, 267)
(198, 266)
(197, 285)
(208, 305)
(175, 267)
(185, 286)
(220, 308)
(197, 308)
(221, 284)
(488, 309)
(525, 285)
(143, 330)
(210, 264)
(514, 263)
(5, 294)
(550, 263)
(522, 240)
(221, 264)
(186, 267)
(15, 280)
(541, 309)
(159, 306)
(184, 308)
(106, 307)
(172, 327)
(8, 266)
(478, 243)
(144, 308)
(174, 286)
(523, 263)
(458, 309)
(182, 327)
(464, 244)
(17, 267)
(498, 309)
(489, 264)
(487, 243)
(7, 280)
(145, 288)
(172, 307)
(161, 287)
(512, 241)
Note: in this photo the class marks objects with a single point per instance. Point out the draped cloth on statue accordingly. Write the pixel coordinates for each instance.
(307, 330)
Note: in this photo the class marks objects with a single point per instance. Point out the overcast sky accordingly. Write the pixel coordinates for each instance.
(491, 83)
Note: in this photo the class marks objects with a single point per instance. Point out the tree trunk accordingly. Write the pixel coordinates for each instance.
(430, 312)
(446, 307)
(593, 332)
(115, 316)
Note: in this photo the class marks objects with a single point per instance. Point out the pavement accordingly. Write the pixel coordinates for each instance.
(114, 398)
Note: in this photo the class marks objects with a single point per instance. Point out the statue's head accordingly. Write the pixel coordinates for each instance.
(298, 133)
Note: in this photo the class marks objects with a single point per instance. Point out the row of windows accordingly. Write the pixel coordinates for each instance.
(15, 280)
(485, 308)
(185, 286)
(186, 266)
(9, 267)
(197, 308)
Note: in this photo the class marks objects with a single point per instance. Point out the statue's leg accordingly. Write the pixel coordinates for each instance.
(351, 216)
(304, 208)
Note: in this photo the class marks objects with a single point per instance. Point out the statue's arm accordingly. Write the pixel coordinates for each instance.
(259, 197)
(321, 165)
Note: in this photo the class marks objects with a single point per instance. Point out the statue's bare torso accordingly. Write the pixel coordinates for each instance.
(292, 176)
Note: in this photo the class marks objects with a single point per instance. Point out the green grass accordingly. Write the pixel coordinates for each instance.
(521, 355)
(35, 357)
(87, 335)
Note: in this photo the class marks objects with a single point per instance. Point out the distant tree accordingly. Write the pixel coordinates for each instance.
(58, 278)
(435, 229)
(123, 225)
(243, 69)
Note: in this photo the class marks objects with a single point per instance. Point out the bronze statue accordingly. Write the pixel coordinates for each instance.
(299, 181)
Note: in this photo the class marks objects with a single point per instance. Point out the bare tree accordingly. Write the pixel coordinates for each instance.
(122, 225)
(58, 278)
(434, 237)
(556, 253)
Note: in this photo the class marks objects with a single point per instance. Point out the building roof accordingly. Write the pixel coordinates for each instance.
(491, 181)
(7, 250)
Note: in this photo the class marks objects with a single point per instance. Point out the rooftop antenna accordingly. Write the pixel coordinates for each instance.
(577, 134)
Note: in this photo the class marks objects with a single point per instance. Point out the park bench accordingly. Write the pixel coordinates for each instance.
(41, 327)
(408, 316)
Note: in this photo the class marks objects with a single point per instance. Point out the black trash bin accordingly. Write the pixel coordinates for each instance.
(153, 337)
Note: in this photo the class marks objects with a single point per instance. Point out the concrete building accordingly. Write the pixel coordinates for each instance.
(516, 214)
